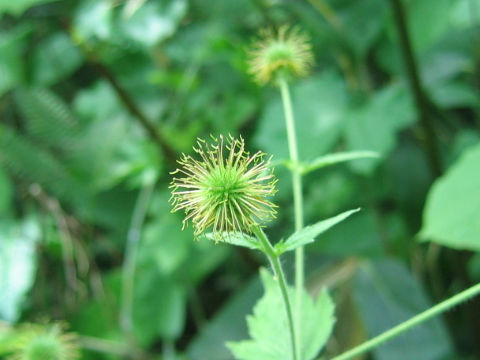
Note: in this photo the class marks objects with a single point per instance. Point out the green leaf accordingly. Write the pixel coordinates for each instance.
(332, 159)
(387, 294)
(308, 234)
(427, 21)
(6, 192)
(17, 7)
(155, 21)
(165, 244)
(12, 44)
(160, 306)
(17, 265)
(450, 94)
(451, 215)
(99, 316)
(228, 324)
(462, 15)
(374, 125)
(94, 19)
(474, 267)
(361, 23)
(237, 238)
(203, 258)
(358, 236)
(55, 57)
(268, 325)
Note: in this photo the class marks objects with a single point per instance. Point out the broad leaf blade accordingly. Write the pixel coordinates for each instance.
(450, 217)
(307, 234)
(386, 294)
(332, 159)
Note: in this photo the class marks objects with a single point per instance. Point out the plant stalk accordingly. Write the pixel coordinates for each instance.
(282, 283)
(414, 321)
(297, 201)
(129, 264)
(421, 99)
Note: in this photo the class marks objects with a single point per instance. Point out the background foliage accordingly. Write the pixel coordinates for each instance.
(98, 98)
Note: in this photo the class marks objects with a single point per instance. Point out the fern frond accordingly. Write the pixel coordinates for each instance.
(33, 164)
(47, 118)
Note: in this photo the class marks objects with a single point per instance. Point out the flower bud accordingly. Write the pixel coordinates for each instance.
(283, 55)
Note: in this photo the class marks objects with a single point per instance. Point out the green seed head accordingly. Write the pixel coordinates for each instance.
(45, 343)
(226, 189)
(284, 55)
(43, 348)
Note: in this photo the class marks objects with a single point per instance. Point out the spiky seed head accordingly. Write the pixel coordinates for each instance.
(45, 342)
(284, 54)
(226, 189)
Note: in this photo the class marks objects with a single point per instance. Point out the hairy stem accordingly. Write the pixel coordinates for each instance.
(414, 321)
(128, 270)
(297, 201)
(282, 283)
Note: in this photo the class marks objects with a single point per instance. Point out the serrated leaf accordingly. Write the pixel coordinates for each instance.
(331, 159)
(237, 238)
(307, 234)
(450, 217)
(268, 325)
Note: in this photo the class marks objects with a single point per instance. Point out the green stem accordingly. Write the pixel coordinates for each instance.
(297, 201)
(128, 270)
(414, 321)
(282, 283)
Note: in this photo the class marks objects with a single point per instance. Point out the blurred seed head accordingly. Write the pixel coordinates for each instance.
(226, 189)
(285, 54)
(45, 342)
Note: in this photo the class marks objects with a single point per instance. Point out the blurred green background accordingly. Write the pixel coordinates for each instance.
(99, 97)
